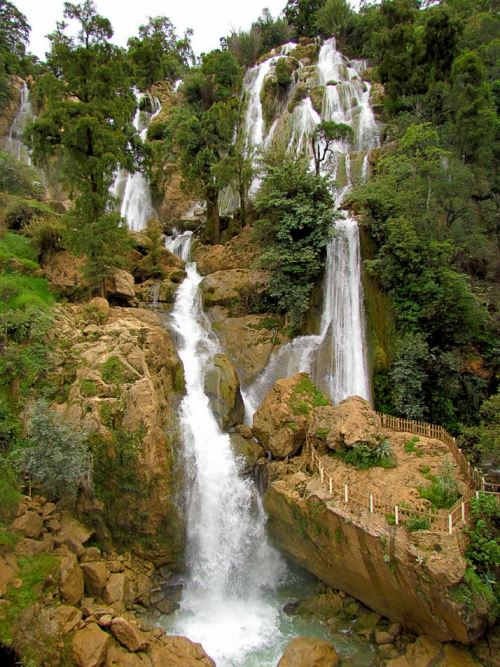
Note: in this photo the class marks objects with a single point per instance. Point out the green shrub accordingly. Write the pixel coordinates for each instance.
(9, 493)
(56, 456)
(306, 396)
(483, 551)
(21, 291)
(443, 491)
(364, 456)
(19, 178)
(88, 388)
(113, 371)
(416, 522)
(410, 445)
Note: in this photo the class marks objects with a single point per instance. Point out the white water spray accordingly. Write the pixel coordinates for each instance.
(14, 142)
(231, 565)
(132, 190)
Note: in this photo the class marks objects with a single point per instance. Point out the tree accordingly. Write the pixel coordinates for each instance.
(56, 457)
(295, 224)
(301, 15)
(334, 17)
(158, 54)
(86, 122)
(324, 136)
(201, 132)
(14, 36)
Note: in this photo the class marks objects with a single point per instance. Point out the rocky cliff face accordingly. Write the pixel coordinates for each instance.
(409, 577)
(119, 377)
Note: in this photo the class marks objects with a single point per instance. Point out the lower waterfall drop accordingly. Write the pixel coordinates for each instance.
(231, 565)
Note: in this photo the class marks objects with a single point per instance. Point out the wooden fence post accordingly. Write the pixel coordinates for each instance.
(346, 493)
(450, 524)
(330, 485)
(371, 503)
(462, 511)
(396, 515)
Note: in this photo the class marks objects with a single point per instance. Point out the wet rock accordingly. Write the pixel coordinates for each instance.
(178, 652)
(383, 637)
(247, 450)
(222, 387)
(120, 286)
(309, 652)
(119, 657)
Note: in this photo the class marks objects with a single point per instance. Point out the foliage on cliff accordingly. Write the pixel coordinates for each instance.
(295, 214)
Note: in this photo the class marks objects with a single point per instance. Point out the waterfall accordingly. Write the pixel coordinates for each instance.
(230, 563)
(132, 190)
(14, 142)
(336, 358)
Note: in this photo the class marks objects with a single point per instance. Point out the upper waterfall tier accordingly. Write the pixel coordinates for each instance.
(132, 190)
(14, 142)
(331, 90)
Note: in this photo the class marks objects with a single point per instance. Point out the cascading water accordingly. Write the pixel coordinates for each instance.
(14, 142)
(336, 358)
(231, 565)
(132, 190)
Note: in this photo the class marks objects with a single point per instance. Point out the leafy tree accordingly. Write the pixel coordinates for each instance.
(158, 54)
(14, 36)
(201, 132)
(85, 122)
(301, 15)
(56, 456)
(334, 17)
(295, 210)
(323, 138)
(482, 442)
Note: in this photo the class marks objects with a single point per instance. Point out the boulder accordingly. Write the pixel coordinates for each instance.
(68, 618)
(281, 422)
(29, 524)
(222, 387)
(350, 422)
(119, 657)
(427, 652)
(178, 652)
(90, 646)
(115, 589)
(128, 634)
(74, 531)
(70, 579)
(95, 575)
(65, 271)
(100, 305)
(8, 571)
(309, 652)
(247, 450)
(120, 286)
(225, 288)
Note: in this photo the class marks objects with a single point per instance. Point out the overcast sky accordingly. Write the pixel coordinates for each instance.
(210, 19)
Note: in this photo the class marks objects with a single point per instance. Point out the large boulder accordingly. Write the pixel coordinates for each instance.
(29, 524)
(120, 286)
(8, 571)
(227, 288)
(222, 387)
(247, 451)
(128, 634)
(70, 579)
(349, 423)
(282, 420)
(90, 646)
(309, 652)
(178, 652)
(95, 575)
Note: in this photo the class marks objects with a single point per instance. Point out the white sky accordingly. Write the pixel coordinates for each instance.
(210, 19)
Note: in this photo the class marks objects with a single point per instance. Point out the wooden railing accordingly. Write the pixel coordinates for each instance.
(349, 498)
(472, 475)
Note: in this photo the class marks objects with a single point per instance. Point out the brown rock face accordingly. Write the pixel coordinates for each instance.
(70, 579)
(119, 657)
(67, 618)
(115, 590)
(241, 252)
(65, 271)
(95, 576)
(280, 424)
(222, 387)
(225, 288)
(426, 652)
(178, 652)
(90, 646)
(350, 422)
(120, 286)
(128, 634)
(309, 652)
(29, 524)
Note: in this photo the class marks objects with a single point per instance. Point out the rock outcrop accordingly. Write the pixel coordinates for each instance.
(119, 378)
(281, 422)
(222, 387)
(309, 652)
